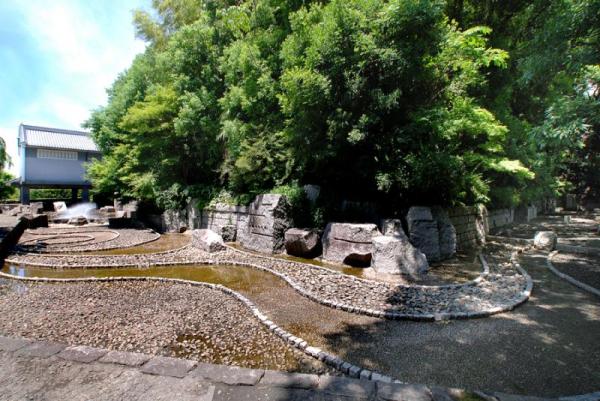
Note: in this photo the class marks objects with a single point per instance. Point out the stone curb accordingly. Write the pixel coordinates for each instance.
(570, 279)
(340, 386)
(583, 250)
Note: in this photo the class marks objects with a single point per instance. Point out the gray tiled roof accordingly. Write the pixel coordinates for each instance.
(55, 138)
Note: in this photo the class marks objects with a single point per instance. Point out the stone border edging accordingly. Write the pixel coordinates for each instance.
(383, 314)
(99, 266)
(485, 271)
(296, 342)
(570, 279)
(583, 250)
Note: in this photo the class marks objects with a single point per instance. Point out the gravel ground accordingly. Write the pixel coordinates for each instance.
(581, 231)
(501, 288)
(150, 317)
(546, 347)
(82, 239)
(581, 267)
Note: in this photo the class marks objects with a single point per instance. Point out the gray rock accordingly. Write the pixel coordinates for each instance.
(268, 219)
(346, 387)
(349, 243)
(447, 233)
(13, 343)
(423, 232)
(312, 192)
(391, 226)
(403, 392)
(545, 240)
(396, 255)
(289, 380)
(207, 240)
(125, 358)
(228, 232)
(41, 349)
(166, 366)
(82, 353)
(303, 243)
(231, 375)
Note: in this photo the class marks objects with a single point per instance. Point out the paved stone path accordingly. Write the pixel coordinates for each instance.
(51, 371)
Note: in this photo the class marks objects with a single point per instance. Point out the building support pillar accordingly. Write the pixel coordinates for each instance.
(24, 195)
(74, 192)
(85, 194)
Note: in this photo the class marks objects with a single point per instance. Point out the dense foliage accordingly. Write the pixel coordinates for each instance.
(394, 101)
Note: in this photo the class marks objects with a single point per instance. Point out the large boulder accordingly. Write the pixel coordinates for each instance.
(391, 226)
(446, 232)
(268, 219)
(545, 240)
(349, 243)
(207, 240)
(423, 232)
(396, 255)
(302, 243)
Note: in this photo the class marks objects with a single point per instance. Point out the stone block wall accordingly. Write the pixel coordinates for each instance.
(221, 215)
(471, 225)
(500, 217)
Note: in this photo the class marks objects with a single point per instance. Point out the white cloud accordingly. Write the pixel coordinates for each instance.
(84, 46)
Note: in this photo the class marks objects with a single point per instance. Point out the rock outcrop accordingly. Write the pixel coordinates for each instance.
(545, 240)
(396, 255)
(207, 240)
(348, 243)
(302, 243)
(446, 233)
(266, 224)
(423, 232)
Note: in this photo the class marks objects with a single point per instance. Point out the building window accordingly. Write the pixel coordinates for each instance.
(56, 154)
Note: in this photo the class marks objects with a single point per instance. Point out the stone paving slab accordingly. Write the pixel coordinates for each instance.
(82, 353)
(42, 349)
(362, 389)
(401, 392)
(125, 358)
(84, 376)
(12, 344)
(166, 366)
(290, 380)
(231, 375)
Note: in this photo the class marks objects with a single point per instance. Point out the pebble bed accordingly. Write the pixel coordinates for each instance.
(151, 317)
(88, 239)
(500, 289)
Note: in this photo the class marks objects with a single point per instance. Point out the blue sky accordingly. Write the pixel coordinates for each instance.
(58, 57)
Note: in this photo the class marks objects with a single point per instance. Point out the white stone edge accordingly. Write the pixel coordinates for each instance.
(570, 279)
(293, 341)
(583, 250)
(383, 314)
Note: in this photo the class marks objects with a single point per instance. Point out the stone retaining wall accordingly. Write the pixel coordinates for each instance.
(221, 215)
(471, 225)
(500, 217)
